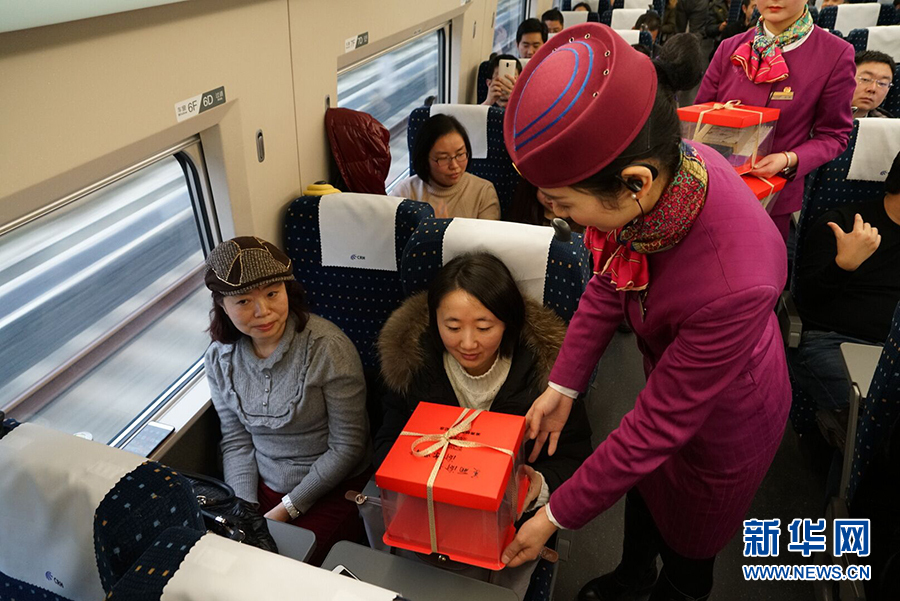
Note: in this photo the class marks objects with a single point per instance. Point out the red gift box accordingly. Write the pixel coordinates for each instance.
(765, 188)
(474, 501)
(742, 134)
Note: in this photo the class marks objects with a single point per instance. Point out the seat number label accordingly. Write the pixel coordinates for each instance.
(199, 103)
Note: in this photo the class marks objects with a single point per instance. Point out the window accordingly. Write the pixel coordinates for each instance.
(510, 13)
(104, 303)
(390, 85)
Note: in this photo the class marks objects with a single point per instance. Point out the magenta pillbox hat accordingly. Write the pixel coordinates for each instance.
(580, 101)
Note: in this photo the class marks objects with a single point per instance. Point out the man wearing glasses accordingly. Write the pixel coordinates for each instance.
(874, 78)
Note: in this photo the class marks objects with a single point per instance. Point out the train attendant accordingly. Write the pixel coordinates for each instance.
(786, 62)
(672, 228)
(289, 390)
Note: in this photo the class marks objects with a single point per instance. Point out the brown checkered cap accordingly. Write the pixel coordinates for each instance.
(241, 264)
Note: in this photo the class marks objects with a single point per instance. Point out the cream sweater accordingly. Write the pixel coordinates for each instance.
(471, 197)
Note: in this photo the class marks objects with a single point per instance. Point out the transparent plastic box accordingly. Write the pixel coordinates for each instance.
(736, 132)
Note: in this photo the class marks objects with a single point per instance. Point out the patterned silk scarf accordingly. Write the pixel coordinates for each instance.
(761, 58)
(622, 253)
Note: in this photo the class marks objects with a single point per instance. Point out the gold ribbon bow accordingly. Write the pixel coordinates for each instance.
(731, 105)
(442, 441)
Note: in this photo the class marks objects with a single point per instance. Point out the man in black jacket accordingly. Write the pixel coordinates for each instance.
(849, 275)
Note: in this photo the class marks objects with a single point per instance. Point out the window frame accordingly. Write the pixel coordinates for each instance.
(445, 48)
(189, 154)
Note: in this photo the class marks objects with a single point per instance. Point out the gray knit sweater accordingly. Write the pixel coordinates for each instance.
(297, 419)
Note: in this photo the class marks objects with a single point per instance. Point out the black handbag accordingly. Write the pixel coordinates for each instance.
(228, 515)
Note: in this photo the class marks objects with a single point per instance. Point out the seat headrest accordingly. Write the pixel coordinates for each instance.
(625, 18)
(358, 230)
(574, 17)
(632, 36)
(877, 143)
(885, 39)
(856, 16)
(474, 118)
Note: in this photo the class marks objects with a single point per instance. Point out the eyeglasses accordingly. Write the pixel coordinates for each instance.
(462, 157)
(884, 85)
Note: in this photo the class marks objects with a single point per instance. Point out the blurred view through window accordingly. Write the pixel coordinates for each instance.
(104, 307)
(390, 85)
(510, 13)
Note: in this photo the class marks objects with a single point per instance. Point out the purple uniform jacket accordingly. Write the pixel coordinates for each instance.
(707, 424)
(816, 123)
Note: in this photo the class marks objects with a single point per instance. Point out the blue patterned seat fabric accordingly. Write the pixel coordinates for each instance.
(151, 572)
(879, 410)
(497, 168)
(568, 268)
(143, 504)
(828, 16)
(358, 301)
(859, 38)
(13, 589)
(484, 74)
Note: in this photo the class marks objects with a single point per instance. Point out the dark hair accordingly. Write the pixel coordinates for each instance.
(584, 4)
(436, 127)
(892, 183)
(531, 26)
(553, 15)
(678, 67)
(487, 278)
(650, 20)
(873, 56)
(643, 49)
(221, 329)
(495, 59)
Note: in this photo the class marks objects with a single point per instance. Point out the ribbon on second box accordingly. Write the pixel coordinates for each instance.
(731, 105)
(442, 441)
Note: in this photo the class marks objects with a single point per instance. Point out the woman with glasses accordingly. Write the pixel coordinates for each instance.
(440, 156)
(788, 63)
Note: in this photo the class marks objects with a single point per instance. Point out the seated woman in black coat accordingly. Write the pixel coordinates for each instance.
(473, 341)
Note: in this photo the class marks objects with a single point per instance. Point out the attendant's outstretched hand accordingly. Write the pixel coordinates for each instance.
(545, 420)
(530, 540)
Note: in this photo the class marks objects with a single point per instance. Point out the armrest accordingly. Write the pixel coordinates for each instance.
(789, 320)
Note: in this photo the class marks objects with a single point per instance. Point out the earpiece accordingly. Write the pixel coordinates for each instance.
(635, 185)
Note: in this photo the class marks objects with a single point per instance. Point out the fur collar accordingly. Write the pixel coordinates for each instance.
(402, 353)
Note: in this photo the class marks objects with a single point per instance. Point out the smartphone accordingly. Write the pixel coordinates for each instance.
(507, 67)
(148, 438)
(343, 571)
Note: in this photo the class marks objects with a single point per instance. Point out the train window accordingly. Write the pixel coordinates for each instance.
(105, 308)
(510, 13)
(391, 84)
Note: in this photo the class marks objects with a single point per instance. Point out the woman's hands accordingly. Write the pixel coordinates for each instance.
(773, 164)
(545, 420)
(499, 91)
(278, 513)
(529, 540)
(535, 483)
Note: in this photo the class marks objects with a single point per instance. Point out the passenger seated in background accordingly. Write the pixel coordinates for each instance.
(289, 390)
(716, 20)
(587, 7)
(531, 35)
(850, 277)
(529, 205)
(472, 340)
(745, 22)
(554, 20)
(499, 88)
(649, 21)
(874, 77)
(831, 3)
(440, 156)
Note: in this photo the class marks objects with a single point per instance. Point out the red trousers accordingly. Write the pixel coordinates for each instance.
(332, 518)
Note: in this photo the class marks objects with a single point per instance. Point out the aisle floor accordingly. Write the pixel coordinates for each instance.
(791, 489)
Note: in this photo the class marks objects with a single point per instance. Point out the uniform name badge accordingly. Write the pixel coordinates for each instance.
(785, 94)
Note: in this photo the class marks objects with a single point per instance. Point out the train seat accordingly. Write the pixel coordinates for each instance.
(356, 299)
(658, 5)
(884, 38)
(847, 17)
(57, 480)
(621, 18)
(139, 509)
(494, 163)
(552, 271)
(597, 6)
(575, 17)
(633, 36)
(854, 176)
